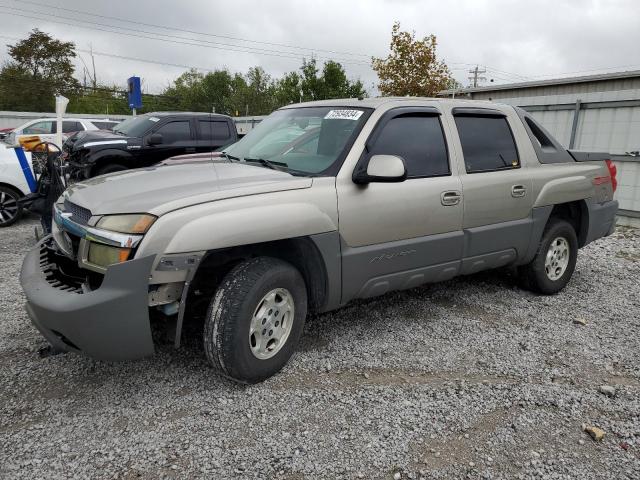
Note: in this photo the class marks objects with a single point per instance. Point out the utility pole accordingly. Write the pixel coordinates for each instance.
(475, 76)
(93, 61)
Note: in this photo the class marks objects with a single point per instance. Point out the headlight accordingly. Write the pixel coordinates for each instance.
(135, 223)
(104, 255)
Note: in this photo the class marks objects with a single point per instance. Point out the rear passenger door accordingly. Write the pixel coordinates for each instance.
(212, 134)
(399, 235)
(497, 190)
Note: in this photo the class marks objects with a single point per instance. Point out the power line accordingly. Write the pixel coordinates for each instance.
(125, 57)
(509, 74)
(160, 36)
(193, 31)
(33, 85)
(253, 50)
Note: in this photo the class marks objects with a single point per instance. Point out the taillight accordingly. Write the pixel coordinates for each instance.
(612, 171)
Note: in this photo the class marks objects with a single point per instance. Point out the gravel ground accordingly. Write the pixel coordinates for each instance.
(472, 378)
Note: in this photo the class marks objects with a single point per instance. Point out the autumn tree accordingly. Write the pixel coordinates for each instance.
(412, 67)
(40, 67)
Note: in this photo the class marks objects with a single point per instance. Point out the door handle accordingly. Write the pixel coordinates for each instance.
(518, 191)
(190, 149)
(450, 198)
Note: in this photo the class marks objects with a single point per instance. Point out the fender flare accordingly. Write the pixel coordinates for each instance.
(93, 159)
(565, 190)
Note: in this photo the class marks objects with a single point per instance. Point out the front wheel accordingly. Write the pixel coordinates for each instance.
(554, 263)
(10, 208)
(255, 319)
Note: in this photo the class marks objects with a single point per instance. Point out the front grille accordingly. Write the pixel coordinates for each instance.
(59, 271)
(79, 214)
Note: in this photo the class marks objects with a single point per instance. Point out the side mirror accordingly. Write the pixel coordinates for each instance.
(382, 168)
(154, 139)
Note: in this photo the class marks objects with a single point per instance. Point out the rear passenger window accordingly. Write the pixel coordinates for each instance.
(69, 126)
(487, 143)
(213, 130)
(178, 131)
(419, 140)
(545, 142)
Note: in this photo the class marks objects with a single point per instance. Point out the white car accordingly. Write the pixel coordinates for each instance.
(45, 128)
(13, 184)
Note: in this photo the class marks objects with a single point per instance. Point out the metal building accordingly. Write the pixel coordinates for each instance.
(595, 112)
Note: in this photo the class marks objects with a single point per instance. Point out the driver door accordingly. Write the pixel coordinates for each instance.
(178, 138)
(400, 235)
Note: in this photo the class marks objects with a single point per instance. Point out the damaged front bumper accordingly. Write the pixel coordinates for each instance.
(110, 322)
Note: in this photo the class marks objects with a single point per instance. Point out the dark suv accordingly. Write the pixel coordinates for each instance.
(145, 140)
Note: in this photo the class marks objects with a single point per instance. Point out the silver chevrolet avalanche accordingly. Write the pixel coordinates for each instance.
(322, 203)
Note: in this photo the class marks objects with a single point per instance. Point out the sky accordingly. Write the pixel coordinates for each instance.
(513, 40)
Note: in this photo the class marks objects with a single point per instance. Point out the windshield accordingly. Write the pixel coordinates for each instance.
(135, 127)
(307, 140)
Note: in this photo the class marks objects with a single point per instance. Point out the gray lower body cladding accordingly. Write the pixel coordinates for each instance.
(109, 323)
(602, 219)
(377, 269)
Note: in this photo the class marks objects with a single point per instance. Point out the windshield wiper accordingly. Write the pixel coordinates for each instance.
(268, 163)
(230, 157)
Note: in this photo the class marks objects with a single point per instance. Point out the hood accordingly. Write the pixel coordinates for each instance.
(161, 189)
(96, 138)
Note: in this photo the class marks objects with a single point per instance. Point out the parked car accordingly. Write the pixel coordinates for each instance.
(4, 132)
(46, 128)
(395, 193)
(13, 185)
(147, 139)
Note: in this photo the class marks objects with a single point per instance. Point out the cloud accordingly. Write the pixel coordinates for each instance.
(515, 40)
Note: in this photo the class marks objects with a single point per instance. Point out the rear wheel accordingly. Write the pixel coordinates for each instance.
(10, 208)
(554, 263)
(255, 319)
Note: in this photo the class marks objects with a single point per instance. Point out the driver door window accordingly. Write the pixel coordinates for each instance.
(419, 140)
(173, 132)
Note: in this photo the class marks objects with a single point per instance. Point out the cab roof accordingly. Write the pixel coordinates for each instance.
(376, 102)
(191, 114)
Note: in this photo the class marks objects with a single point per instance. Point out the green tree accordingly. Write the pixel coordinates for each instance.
(332, 82)
(287, 89)
(188, 90)
(217, 89)
(103, 100)
(335, 83)
(412, 67)
(41, 67)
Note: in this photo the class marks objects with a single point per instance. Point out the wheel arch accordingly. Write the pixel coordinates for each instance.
(313, 256)
(577, 214)
(13, 187)
(109, 156)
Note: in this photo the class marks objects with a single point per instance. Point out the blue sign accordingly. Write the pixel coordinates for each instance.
(135, 94)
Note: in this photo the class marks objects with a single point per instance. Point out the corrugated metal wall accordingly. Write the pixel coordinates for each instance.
(608, 120)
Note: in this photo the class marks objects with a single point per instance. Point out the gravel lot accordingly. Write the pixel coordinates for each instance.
(472, 378)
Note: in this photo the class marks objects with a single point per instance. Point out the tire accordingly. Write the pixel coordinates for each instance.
(110, 168)
(549, 277)
(246, 297)
(10, 208)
